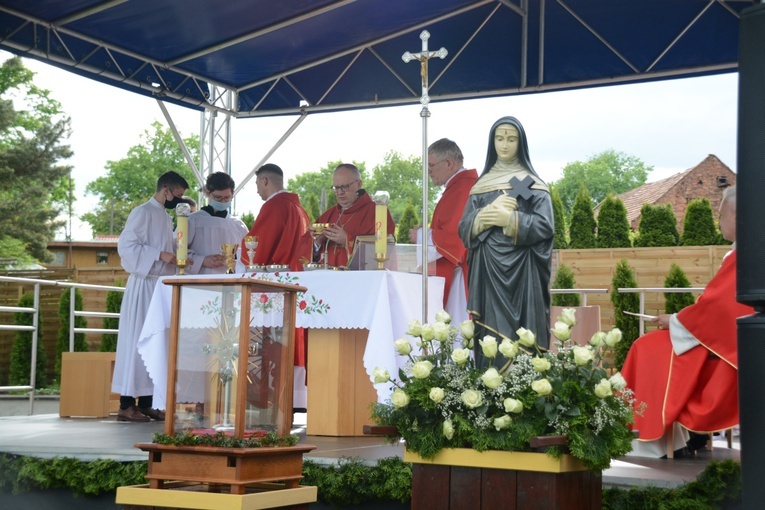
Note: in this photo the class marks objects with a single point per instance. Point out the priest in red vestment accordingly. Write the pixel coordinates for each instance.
(354, 215)
(445, 167)
(282, 224)
(687, 371)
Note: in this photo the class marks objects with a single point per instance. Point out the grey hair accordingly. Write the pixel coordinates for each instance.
(729, 197)
(446, 148)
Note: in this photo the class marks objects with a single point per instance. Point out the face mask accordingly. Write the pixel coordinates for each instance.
(218, 206)
(170, 204)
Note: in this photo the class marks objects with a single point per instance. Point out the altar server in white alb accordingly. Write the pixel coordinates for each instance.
(212, 226)
(147, 249)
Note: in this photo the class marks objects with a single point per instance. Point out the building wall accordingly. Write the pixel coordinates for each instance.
(93, 255)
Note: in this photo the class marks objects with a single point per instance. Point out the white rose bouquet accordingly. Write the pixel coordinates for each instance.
(441, 400)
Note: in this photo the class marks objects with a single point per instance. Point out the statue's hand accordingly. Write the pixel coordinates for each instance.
(496, 216)
(505, 202)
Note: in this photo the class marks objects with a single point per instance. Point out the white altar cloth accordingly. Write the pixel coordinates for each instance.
(384, 302)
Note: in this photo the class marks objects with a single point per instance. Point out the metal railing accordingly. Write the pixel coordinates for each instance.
(582, 293)
(34, 328)
(642, 292)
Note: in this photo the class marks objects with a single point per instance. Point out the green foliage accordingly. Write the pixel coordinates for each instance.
(221, 440)
(62, 339)
(402, 178)
(14, 249)
(603, 173)
(21, 354)
(319, 184)
(113, 305)
(582, 230)
(312, 207)
(565, 280)
(624, 277)
(132, 180)
(676, 301)
(613, 227)
(699, 224)
(559, 216)
(32, 129)
(248, 219)
(658, 226)
(408, 220)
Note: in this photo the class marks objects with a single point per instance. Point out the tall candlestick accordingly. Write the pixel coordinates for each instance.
(381, 199)
(182, 212)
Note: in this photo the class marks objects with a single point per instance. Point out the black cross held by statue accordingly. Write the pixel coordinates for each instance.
(521, 189)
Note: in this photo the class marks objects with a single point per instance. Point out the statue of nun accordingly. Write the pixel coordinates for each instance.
(507, 227)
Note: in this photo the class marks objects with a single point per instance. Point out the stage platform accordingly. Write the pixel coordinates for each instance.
(46, 435)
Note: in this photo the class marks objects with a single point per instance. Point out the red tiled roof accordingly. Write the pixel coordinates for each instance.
(649, 193)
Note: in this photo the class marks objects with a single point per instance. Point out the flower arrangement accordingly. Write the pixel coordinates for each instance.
(442, 400)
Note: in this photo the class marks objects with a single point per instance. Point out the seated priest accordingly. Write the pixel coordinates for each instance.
(354, 215)
(686, 372)
(212, 226)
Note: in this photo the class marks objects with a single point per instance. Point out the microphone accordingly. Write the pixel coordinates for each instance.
(361, 192)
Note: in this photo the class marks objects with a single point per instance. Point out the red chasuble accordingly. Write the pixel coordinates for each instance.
(445, 222)
(282, 230)
(698, 389)
(357, 220)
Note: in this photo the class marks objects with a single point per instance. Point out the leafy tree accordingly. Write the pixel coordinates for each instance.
(248, 219)
(624, 277)
(613, 227)
(603, 173)
(62, 343)
(565, 280)
(21, 353)
(408, 220)
(658, 226)
(402, 178)
(319, 183)
(15, 250)
(32, 129)
(676, 301)
(699, 224)
(312, 207)
(582, 231)
(131, 180)
(113, 305)
(559, 241)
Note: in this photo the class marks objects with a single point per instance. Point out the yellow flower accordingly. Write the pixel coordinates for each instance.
(561, 331)
(460, 356)
(426, 332)
(415, 328)
(613, 337)
(441, 331)
(448, 429)
(598, 339)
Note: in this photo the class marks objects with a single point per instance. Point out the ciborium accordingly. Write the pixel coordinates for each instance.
(317, 229)
(229, 251)
(251, 242)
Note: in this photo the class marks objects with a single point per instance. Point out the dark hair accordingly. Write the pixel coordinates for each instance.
(523, 146)
(188, 200)
(446, 148)
(217, 181)
(172, 179)
(271, 169)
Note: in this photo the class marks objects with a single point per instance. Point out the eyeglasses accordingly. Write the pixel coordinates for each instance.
(221, 199)
(344, 187)
(431, 165)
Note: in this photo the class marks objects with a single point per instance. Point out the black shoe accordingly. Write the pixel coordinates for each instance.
(697, 442)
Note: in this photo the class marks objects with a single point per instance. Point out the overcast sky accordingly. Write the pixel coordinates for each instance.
(670, 125)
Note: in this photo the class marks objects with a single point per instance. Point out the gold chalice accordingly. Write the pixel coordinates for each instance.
(229, 251)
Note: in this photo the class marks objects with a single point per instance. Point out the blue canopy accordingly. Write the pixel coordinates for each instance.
(322, 55)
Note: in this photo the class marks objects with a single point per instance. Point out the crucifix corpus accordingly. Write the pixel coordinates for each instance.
(423, 57)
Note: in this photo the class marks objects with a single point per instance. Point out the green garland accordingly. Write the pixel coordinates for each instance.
(221, 440)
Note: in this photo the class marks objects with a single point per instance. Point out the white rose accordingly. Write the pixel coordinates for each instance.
(613, 337)
(403, 346)
(491, 378)
(541, 364)
(421, 369)
(467, 328)
(399, 399)
(542, 387)
(470, 344)
(598, 339)
(448, 429)
(472, 398)
(512, 405)
(502, 422)
(460, 356)
(380, 375)
(617, 381)
(489, 346)
(582, 355)
(603, 389)
(568, 315)
(443, 316)
(426, 332)
(436, 394)
(415, 328)
(561, 331)
(441, 331)
(526, 337)
(508, 348)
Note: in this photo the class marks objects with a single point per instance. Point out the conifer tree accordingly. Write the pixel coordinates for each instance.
(113, 305)
(699, 224)
(559, 241)
(62, 339)
(565, 280)
(613, 227)
(676, 301)
(624, 277)
(21, 353)
(658, 226)
(405, 224)
(582, 230)
(312, 207)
